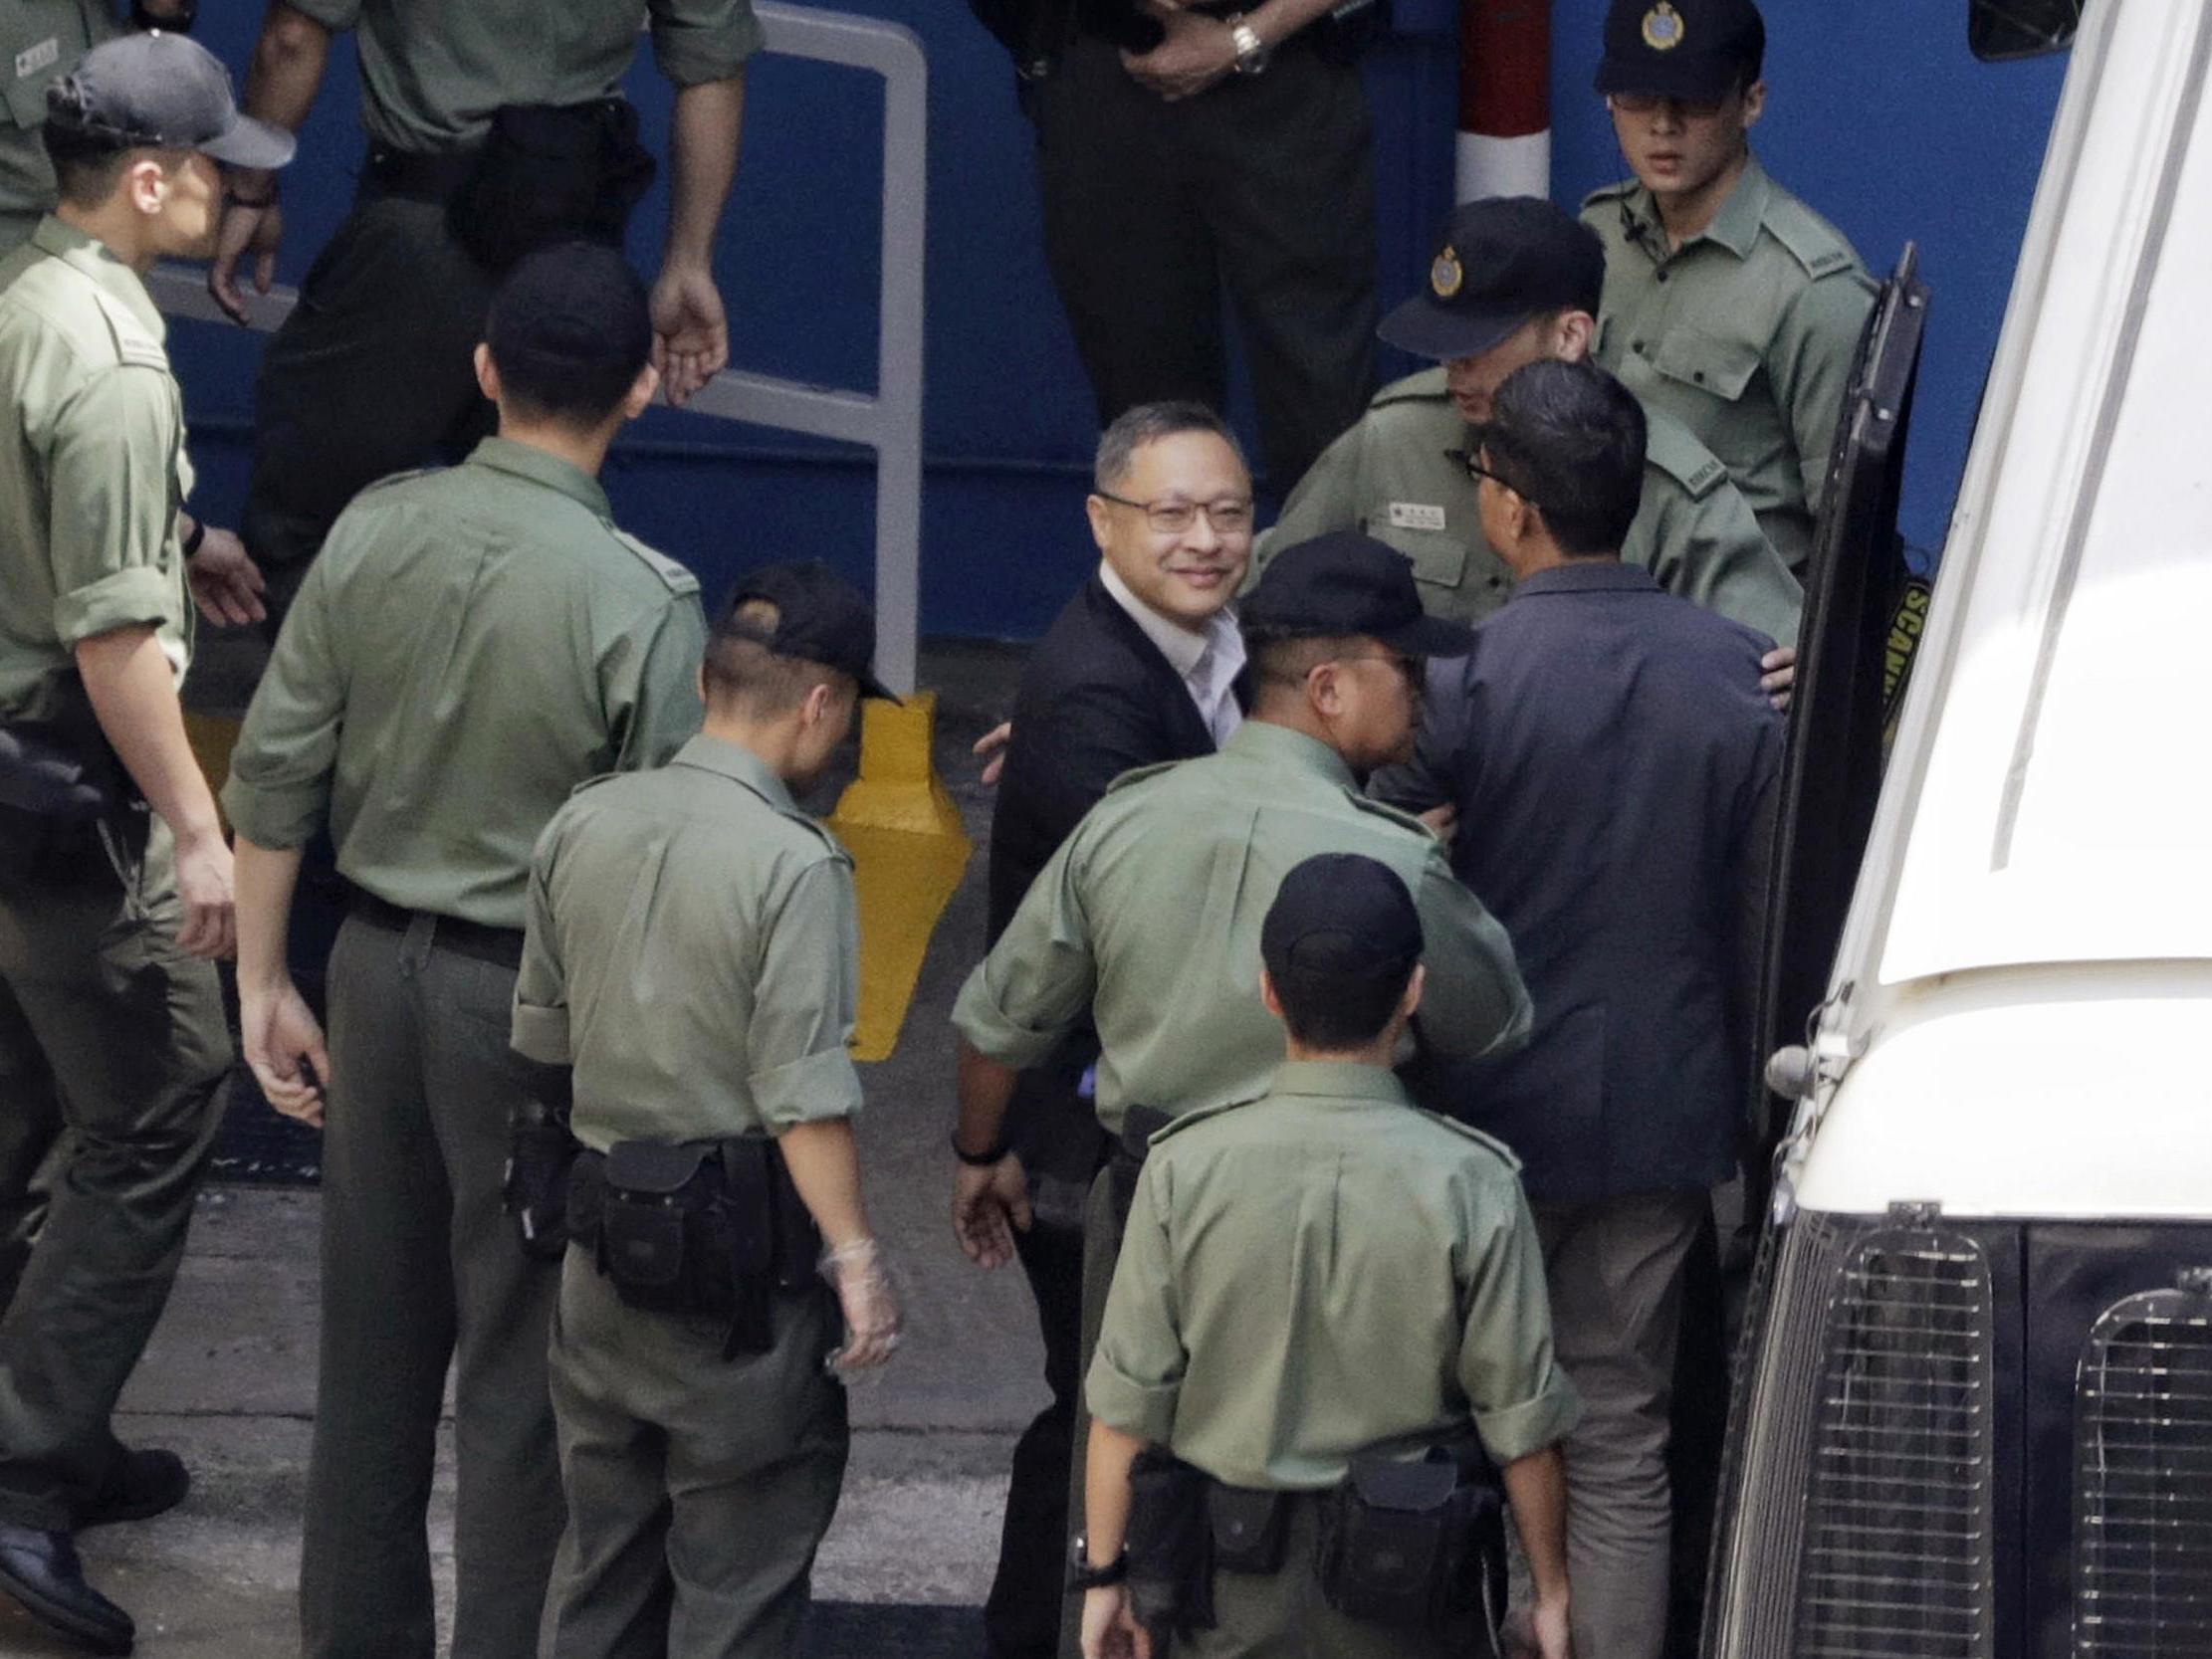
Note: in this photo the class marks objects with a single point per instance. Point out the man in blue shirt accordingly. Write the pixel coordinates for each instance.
(1612, 760)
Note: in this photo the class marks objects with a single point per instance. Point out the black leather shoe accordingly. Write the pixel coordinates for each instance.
(142, 1485)
(41, 1570)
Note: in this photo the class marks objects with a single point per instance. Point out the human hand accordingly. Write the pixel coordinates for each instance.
(1443, 822)
(864, 1295)
(1539, 1632)
(205, 883)
(990, 750)
(244, 230)
(690, 336)
(1196, 54)
(1778, 674)
(990, 1200)
(281, 1042)
(1110, 1630)
(226, 583)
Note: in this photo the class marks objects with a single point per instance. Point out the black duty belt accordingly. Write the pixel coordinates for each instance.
(501, 947)
(430, 176)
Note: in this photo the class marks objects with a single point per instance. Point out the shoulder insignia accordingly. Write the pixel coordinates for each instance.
(390, 479)
(132, 343)
(1205, 1114)
(673, 572)
(1467, 1131)
(1679, 452)
(1383, 809)
(1138, 775)
(1811, 241)
(1425, 387)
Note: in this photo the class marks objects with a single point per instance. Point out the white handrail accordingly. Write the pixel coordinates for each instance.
(890, 420)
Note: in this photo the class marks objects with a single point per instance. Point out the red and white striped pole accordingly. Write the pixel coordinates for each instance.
(1504, 98)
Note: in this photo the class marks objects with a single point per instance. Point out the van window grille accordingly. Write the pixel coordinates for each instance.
(2143, 1481)
(1898, 1562)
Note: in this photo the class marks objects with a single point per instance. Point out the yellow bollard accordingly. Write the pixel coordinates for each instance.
(909, 849)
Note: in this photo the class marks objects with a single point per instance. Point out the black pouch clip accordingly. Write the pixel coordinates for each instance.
(1249, 1528)
(651, 1186)
(1416, 1542)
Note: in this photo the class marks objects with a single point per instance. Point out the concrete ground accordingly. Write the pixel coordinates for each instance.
(229, 1380)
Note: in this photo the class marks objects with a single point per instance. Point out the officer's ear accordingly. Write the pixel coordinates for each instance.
(639, 398)
(1572, 333)
(1754, 104)
(487, 372)
(1416, 983)
(1268, 994)
(145, 183)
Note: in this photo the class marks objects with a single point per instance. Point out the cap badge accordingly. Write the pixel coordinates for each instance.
(1445, 275)
(1663, 27)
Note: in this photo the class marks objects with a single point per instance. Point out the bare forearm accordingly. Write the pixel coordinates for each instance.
(826, 1167)
(985, 1091)
(1279, 20)
(1106, 1462)
(286, 74)
(265, 879)
(132, 688)
(1536, 1487)
(703, 164)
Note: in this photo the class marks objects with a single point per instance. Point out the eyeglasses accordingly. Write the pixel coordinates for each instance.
(1168, 517)
(1411, 668)
(1681, 109)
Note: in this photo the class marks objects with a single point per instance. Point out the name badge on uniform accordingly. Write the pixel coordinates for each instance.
(31, 58)
(1416, 515)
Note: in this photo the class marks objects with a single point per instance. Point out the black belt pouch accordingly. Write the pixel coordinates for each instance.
(1169, 1545)
(1249, 1528)
(651, 1211)
(548, 174)
(1412, 1543)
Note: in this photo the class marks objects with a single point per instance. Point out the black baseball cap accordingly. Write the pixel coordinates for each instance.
(576, 302)
(1501, 261)
(820, 617)
(1698, 48)
(1341, 917)
(1348, 583)
(164, 91)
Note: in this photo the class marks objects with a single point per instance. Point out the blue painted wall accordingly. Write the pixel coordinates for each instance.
(1877, 115)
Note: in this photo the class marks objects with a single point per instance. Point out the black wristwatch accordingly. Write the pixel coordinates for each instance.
(1081, 1575)
(180, 24)
(979, 1160)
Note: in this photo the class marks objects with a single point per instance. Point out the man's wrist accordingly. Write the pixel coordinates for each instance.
(982, 1157)
(248, 188)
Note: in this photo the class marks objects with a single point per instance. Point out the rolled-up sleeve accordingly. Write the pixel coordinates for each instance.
(696, 41)
(540, 1024)
(1136, 1376)
(1519, 1397)
(278, 793)
(331, 14)
(800, 1069)
(1036, 983)
(112, 490)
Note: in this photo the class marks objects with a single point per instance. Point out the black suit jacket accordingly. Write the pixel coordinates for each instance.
(1097, 699)
(1611, 757)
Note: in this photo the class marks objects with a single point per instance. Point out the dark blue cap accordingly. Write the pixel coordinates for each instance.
(820, 617)
(1697, 49)
(1347, 583)
(1500, 263)
(1342, 916)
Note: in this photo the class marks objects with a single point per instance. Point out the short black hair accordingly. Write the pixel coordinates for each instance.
(569, 332)
(89, 160)
(1570, 439)
(1334, 1012)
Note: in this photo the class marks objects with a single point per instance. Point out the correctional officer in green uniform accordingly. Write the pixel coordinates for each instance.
(474, 644)
(693, 960)
(1246, 1332)
(1516, 280)
(371, 373)
(114, 880)
(1728, 302)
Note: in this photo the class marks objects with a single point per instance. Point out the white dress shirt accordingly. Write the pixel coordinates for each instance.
(1208, 662)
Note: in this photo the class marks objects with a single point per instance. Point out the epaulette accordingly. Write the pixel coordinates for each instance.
(674, 572)
(1679, 452)
(133, 344)
(823, 833)
(1609, 193)
(390, 479)
(592, 782)
(1811, 241)
(1428, 386)
(1467, 1131)
(1204, 1114)
(1396, 815)
(1137, 774)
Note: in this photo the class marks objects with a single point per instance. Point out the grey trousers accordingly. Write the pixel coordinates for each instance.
(421, 1267)
(698, 1487)
(113, 1050)
(1614, 1267)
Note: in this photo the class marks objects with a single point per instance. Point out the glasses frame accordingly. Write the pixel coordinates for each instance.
(1685, 109)
(1152, 510)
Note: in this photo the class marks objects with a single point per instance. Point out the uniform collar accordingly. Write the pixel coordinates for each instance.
(1278, 745)
(92, 256)
(1610, 577)
(1736, 227)
(524, 461)
(1339, 1080)
(738, 766)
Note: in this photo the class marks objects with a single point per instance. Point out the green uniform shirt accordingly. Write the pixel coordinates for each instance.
(471, 645)
(693, 952)
(39, 42)
(1396, 476)
(1147, 920)
(434, 71)
(1745, 334)
(92, 467)
(1324, 1271)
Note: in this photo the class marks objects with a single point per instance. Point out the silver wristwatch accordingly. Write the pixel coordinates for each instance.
(1251, 51)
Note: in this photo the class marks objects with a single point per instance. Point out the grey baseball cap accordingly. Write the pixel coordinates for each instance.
(167, 93)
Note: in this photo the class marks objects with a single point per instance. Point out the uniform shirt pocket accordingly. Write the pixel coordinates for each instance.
(1439, 559)
(1707, 363)
(39, 41)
